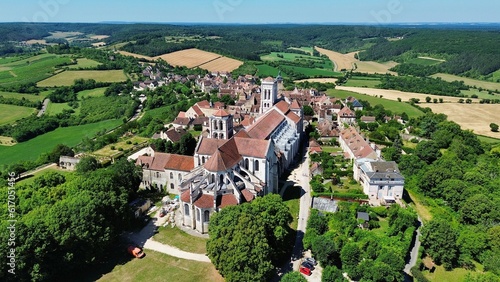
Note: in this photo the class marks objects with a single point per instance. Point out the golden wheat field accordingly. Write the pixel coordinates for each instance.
(125, 53)
(341, 61)
(348, 62)
(190, 57)
(222, 64)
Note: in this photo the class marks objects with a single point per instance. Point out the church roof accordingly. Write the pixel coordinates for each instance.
(295, 105)
(252, 147)
(221, 113)
(294, 117)
(283, 106)
(226, 200)
(225, 157)
(268, 79)
(206, 201)
(264, 126)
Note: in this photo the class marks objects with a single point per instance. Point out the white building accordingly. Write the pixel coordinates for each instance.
(380, 180)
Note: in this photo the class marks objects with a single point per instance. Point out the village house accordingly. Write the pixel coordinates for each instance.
(356, 147)
(380, 180)
(69, 163)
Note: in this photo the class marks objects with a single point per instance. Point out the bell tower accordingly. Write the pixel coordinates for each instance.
(221, 125)
(268, 94)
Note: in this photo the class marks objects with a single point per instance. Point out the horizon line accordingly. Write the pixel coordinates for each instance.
(262, 23)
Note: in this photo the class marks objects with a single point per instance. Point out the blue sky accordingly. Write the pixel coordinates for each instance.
(251, 11)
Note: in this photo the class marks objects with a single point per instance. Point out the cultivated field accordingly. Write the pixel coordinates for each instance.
(99, 37)
(395, 94)
(348, 62)
(320, 80)
(125, 53)
(190, 57)
(71, 136)
(222, 64)
(342, 61)
(7, 141)
(476, 117)
(11, 113)
(469, 81)
(97, 92)
(84, 63)
(67, 78)
(30, 97)
(267, 70)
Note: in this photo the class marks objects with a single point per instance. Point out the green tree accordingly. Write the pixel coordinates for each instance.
(293, 276)
(325, 250)
(87, 164)
(351, 256)
(332, 274)
(428, 151)
(308, 110)
(494, 127)
(439, 240)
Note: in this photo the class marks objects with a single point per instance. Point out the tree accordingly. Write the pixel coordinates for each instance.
(494, 127)
(332, 274)
(428, 99)
(427, 151)
(325, 250)
(87, 164)
(58, 151)
(477, 210)
(351, 256)
(308, 110)
(439, 240)
(293, 276)
(246, 240)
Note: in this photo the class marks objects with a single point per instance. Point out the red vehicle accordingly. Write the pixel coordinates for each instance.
(305, 270)
(135, 251)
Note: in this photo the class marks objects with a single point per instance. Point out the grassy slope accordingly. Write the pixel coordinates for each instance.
(98, 92)
(84, 63)
(19, 96)
(469, 81)
(370, 83)
(394, 106)
(181, 240)
(71, 136)
(11, 113)
(68, 77)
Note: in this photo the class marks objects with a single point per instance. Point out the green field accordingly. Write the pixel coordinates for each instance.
(489, 140)
(71, 136)
(468, 81)
(57, 108)
(32, 69)
(7, 60)
(264, 70)
(495, 76)
(84, 63)
(97, 92)
(31, 178)
(11, 113)
(293, 57)
(160, 267)
(181, 240)
(370, 83)
(394, 106)
(480, 94)
(67, 78)
(30, 97)
(315, 72)
(424, 61)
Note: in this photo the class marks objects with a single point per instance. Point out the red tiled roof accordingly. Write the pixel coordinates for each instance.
(185, 196)
(242, 134)
(269, 79)
(264, 126)
(252, 147)
(221, 113)
(203, 104)
(179, 162)
(205, 201)
(295, 105)
(249, 120)
(144, 160)
(294, 117)
(282, 106)
(346, 112)
(225, 157)
(208, 146)
(181, 115)
(226, 200)
(247, 195)
(197, 110)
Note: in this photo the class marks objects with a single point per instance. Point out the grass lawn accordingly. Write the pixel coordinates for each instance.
(440, 274)
(410, 144)
(160, 267)
(11, 113)
(195, 134)
(67, 78)
(32, 69)
(312, 72)
(108, 152)
(469, 81)
(394, 106)
(181, 240)
(370, 83)
(489, 139)
(384, 226)
(84, 63)
(480, 94)
(31, 178)
(422, 210)
(264, 70)
(30, 97)
(291, 198)
(331, 149)
(70, 136)
(98, 92)
(57, 108)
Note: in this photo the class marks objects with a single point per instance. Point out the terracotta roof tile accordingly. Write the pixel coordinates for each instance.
(294, 117)
(203, 104)
(252, 147)
(247, 195)
(225, 157)
(226, 200)
(185, 196)
(205, 201)
(242, 134)
(282, 106)
(221, 113)
(197, 110)
(295, 105)
(179, 162)
(265, 125)
(208, 146)
(269, 79)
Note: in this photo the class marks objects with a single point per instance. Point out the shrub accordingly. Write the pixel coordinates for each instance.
(113, 148)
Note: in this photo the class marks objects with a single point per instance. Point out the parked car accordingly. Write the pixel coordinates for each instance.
(311, 261)
(305, 270)
(135, 251)
(307, 265)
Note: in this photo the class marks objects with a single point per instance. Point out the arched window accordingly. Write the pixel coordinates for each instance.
(186, 209)
(179, 176)
(221, 136)
(197, 214)
(221, 125)
(256, 165)
(215, 125)
(212, 178)
(214, 135)
(206, 216)
(203, 160)
(171, 185)
(246, 163)
(221, 179)
(171, 175)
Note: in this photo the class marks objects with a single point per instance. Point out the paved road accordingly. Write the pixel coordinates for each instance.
(414, 251)
(145, 238)
(44, 107)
